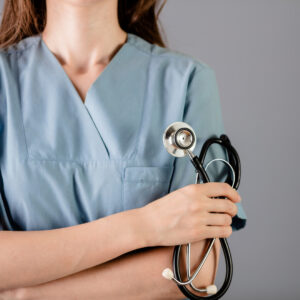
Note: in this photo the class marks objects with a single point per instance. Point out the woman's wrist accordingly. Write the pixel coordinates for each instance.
(146, 227)
(131, 229)
(142, 229)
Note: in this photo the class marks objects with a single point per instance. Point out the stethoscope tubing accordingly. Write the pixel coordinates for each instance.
(235, 181)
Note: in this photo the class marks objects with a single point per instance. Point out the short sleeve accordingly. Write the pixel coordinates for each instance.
(203, 113)
(5, 217)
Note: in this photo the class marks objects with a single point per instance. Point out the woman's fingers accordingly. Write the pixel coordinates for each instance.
(217, 231)
(218, 219)
(221, 206)
(217, 189)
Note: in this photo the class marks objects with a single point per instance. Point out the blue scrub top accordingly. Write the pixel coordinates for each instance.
(64, 162)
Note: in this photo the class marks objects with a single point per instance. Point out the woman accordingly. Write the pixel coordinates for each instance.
(87, 90)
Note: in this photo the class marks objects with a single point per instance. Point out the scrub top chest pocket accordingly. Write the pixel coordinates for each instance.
(142, 185)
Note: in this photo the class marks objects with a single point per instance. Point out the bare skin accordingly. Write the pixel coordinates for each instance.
(101, 282)
(75, 256)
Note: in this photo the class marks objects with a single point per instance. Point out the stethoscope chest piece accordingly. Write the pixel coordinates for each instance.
(179, 137)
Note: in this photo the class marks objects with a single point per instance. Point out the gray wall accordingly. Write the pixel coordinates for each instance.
(253, 46)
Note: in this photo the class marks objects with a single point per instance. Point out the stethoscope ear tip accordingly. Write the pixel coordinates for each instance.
(211, 289)
(168, 274)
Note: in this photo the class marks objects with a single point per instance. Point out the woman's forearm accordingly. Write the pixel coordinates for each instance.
(132, 276)
(33, 257)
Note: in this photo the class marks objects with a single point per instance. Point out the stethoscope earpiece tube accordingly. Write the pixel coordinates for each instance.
(179, 149)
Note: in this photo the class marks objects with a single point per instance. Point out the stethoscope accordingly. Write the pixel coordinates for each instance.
(179, 139)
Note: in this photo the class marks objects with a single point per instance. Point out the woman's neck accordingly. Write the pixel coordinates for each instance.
(83, 33)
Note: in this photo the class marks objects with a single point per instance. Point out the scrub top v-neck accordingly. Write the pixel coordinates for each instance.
(65, 162)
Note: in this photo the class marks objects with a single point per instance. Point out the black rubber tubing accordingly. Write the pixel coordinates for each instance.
(198, 163)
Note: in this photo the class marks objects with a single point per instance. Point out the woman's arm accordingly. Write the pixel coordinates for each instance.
(133, 276)
(33, 257)
(182, 216)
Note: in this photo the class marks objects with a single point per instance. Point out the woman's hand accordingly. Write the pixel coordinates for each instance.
(190, 214)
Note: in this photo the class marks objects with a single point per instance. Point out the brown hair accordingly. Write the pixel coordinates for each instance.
(24, 18)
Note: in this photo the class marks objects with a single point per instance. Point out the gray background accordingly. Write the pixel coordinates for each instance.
(253, 46)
